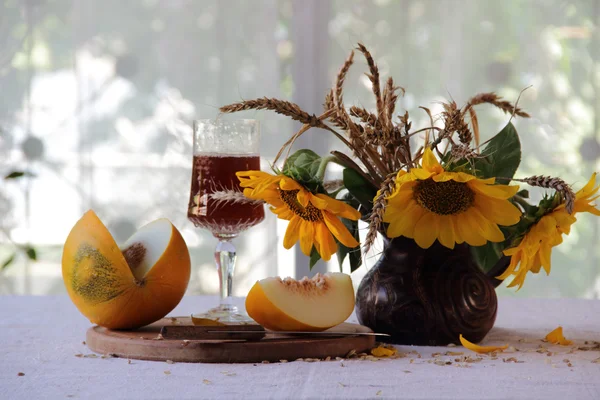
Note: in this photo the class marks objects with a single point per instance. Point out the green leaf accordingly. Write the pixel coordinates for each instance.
(502, 155)
(17, 174)
(8, 261)
(353, 253)
(487, 256)
(31, 253)
(314, 257)
(360, 189)
(302, 166)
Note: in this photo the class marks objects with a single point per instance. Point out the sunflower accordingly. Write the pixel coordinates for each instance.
(534, 250)
(429, 203)
(313, 217)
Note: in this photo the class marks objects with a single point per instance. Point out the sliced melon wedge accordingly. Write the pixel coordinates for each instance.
(308, 304)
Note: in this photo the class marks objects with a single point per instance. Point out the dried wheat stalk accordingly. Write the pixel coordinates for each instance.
(341, 76)
(366, 154)
(338, 103)
(474, 125)
(389, 103)
(553, 183)
(330, 105)
(379, 203)
(428, 131)
(494, 99)
(283, 107)
(454, 122)
(365, 116)
(373, 77)
(462, 152)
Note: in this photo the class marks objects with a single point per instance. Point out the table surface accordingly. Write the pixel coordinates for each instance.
(42, 336)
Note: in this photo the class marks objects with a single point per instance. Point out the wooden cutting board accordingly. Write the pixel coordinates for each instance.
(146, 344)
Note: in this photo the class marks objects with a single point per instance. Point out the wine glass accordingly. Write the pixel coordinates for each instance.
(222, 148)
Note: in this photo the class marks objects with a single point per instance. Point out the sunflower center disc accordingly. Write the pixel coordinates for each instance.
(444, 198)
(308, 213)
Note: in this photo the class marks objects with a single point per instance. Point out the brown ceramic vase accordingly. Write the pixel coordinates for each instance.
(428, 296)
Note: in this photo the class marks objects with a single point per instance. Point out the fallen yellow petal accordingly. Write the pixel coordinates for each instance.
(556, 337)
(381, 351)
(480, 349)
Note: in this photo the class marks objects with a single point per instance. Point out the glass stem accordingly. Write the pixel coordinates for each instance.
(225, 256)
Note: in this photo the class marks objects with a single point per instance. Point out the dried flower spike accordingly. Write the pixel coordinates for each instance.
(283, 107)
(553, 183)
(376, 218)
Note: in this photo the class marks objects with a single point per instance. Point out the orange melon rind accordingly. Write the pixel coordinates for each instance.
(128, 287)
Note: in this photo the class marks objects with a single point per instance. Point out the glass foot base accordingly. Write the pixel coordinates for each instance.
(222, 315)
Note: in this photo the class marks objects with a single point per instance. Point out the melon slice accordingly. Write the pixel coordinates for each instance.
(126, 287)
(308, 304)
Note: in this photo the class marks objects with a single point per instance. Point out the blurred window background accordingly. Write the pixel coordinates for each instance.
(97, 99)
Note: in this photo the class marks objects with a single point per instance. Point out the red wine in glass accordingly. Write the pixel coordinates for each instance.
(214, 175)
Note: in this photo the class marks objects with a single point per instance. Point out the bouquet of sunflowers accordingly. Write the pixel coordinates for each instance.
(434, 183)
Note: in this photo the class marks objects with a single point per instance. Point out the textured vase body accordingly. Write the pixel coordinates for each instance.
(426, 296)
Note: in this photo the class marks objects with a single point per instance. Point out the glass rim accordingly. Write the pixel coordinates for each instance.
(219, 120)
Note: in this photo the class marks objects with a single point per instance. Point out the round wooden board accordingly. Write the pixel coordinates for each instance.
(143, 344)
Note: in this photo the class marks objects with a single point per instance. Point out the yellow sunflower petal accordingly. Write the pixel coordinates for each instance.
(585, 207)
(588, 190)
(253, 174)
(317, 201)
(426, 230)
(392, 214)
(468, 229)
(487, 181)
(292, 233)
(519, 278)
(268, 195)
(501, 212)
(402, 195)
(480, 349)
(286, 183)
(303, 197)
(447, 237)
(557, 337)
(404, 224)
(283, 212)
(497, 191)
(382, 351)
(327, 246)
(536, 263)
(404, 184)
(514, 261)
(560, 220)
(457, 236)
(487, 229)
(257, 180)
(430, 162)
(339, 230)
(421, 173)
(335, 206)
(545, 258)
(307, 234)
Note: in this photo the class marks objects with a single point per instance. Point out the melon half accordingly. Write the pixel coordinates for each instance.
(306, 305)
(129, 286)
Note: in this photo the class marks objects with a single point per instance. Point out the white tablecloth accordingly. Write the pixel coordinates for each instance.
(40, 336)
